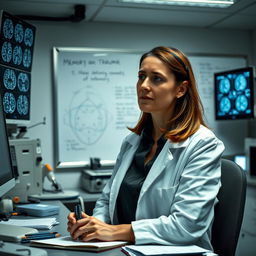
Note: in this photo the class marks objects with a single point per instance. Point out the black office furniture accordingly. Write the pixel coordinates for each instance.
(230, 209)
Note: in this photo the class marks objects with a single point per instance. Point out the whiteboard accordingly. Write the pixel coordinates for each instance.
(95, 101)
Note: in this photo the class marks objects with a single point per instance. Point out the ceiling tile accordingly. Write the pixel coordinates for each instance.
(147, 16)
(238, 22)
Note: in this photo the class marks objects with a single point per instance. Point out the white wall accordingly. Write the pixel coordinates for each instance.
(112, 35)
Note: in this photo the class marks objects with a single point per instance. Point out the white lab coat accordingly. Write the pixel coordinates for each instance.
(176, 201)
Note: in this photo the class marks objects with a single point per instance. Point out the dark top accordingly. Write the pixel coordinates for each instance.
(128, 196)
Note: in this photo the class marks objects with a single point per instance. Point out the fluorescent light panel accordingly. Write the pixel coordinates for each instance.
(200, 3)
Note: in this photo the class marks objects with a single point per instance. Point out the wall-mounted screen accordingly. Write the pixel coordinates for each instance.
(15, 88)
(16, 42)
(234, 94)
(17, 39)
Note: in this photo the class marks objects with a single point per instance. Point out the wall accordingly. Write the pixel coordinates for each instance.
(112, 35)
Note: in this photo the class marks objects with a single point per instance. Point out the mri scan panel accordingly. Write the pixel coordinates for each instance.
(234, 94)
(15, 91)
(17, 42)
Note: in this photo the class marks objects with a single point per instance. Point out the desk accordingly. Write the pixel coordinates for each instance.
(62, 229)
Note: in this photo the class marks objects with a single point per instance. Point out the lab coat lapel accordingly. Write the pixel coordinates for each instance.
(160, 163)
(128, 156)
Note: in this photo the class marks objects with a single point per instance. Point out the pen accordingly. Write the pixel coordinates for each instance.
(38, 236)
(78, 212)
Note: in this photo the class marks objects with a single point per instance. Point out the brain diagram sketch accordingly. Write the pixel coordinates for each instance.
(87, 116)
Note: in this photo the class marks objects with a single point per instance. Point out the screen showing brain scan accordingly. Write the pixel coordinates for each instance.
(234, 94)
(16, 42)
(15, 93)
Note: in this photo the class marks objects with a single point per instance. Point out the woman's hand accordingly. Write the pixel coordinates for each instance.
(90, 228)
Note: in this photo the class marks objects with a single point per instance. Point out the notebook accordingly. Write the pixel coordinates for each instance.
(160, 250)
(66, 242)
(12, 233)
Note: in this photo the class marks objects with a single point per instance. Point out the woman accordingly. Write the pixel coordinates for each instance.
(167, 174)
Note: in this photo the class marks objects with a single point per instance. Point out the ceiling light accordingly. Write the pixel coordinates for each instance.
(200, 3)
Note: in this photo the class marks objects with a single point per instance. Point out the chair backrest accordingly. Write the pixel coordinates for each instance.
(230, 209)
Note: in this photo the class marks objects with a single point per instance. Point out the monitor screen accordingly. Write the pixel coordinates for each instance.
(241, 161)
(17, 39)
(15, 89)
(234, 94)
(7, 180)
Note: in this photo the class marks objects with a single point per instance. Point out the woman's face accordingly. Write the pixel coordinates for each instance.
(156, 87)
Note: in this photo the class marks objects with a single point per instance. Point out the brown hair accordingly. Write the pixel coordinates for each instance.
(188, 109)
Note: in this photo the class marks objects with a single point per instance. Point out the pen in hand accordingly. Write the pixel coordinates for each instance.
(78, 212)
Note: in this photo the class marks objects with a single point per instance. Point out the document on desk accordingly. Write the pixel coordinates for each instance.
(67, 243)
(38, 223)
(155, 250)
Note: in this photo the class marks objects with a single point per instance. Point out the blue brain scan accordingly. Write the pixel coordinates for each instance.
(8, 29)
(224, 85)
(225, 105)
(9, 103)
(23, 82)
(19, 33)
(6, 52)
(17, 55)
(240, 82)
(241, 103)
(234, 94)
(29, 37)
(9, 79)
(22, 105)
(27, 58)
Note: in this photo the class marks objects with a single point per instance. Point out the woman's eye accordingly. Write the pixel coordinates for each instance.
(158, 79)
(141, 77)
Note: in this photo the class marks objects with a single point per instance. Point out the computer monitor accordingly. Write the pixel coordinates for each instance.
(17, 45)
(7, 179)
(234, 91)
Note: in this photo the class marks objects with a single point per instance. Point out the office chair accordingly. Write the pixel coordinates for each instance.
(230, 209)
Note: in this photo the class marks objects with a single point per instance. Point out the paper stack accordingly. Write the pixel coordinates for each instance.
(38, 223)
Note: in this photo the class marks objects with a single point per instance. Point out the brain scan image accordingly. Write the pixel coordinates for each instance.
(6, 51)
(241, 103)
(22, 105)
(27, 58)
(8, 29)
(17, 55)
(19, 33)
(9, 79)
(23, 82)
(224, 85)
(234, 94)
(240, 83)
(29, 37)
(9, 103)
(225, 105)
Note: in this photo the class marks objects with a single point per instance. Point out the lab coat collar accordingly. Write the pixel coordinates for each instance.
(133, 139)
(182, 144)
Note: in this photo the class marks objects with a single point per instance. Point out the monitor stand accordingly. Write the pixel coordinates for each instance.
(13, 233)
(66, 194)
